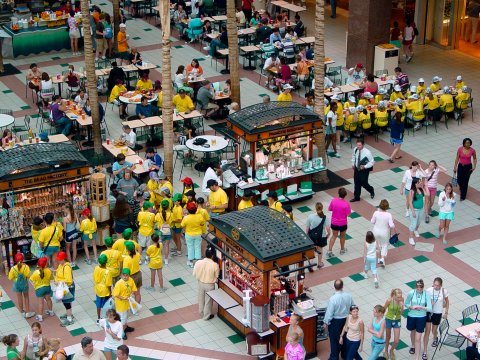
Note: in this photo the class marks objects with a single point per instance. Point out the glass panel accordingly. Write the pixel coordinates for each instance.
(443, 22)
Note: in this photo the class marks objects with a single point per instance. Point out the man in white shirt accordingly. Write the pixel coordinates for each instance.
(129, 136)
(356, 74)
(212, 174)
(271, 63)
(362, 164)
(122, 352)
(88, 352)
(241, 20)
(327, 83)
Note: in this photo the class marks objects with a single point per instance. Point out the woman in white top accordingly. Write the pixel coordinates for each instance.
(46, 89)
(439, 297)
(432, 172)
(180, 76)
(416, 172)
(383, 222)
(114, 334)
(446, 201)
(313, 222)
(408, 36)
(331, 129)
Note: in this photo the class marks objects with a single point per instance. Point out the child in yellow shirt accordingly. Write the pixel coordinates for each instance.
(88, 228)
(122, 291)
(146, 222)
(177, 216)
(164, 223)
(154, 252)
(19, 275)
(102, 279)
(37, 227)
(114, 259)
(246, 201)
(41, 279)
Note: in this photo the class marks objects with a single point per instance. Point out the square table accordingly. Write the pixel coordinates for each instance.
(224, 52)
(134, 124)
(58, 138)
(308, 39)
(112, 149)
(138, 168)
(249, 50)
(152, 121)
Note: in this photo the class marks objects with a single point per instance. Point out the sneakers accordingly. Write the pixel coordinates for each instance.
(162, 290)
(208, 56)
(407, 213)
(437, 234)
(206, 48)
(50, 312)
(140, 262)
(381, 262)
(189, 263)
(88, 261)
(339, 147)
(427, 219)
(416, 233)
(445, 242)
(150, 288)
(346, 140)
(376, 284)
(417, 127)
(343, 251)
(411, 241)
(67, 322)
(39, 318)
(165, 261)
(95, 261)
(63, 317)
(364, 274)
(72, 264)
(28, 315)
(129, 329)
(330, 254)
(177, 253)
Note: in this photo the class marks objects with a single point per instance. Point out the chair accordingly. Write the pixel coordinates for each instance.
(379, 73)
(47, 94)
(380, 123)
(197, 123)
(6, 112)
(352, 128)
(455, 341)
(458, 113)
(334, 71)
(17, 128)
(44, 116)
(186, 160)
(468, 312)
(34, 93)
(469, 91)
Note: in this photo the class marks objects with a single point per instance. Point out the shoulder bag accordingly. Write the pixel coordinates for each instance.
(316, 233)
(44, 250)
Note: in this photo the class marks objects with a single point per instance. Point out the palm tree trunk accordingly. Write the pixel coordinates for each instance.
(320, 177)
(167, 109)
(233, 51)
(91, 78)
(116, 21)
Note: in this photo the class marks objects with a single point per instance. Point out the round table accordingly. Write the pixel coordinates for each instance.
(220, 144)
(137, 97)
(6, 120)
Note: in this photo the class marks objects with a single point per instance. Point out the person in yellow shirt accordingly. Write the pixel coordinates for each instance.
(381, 115)
(459, 84)
(146, 223)
(132, 262)
(144, 83)
(50, 237)
(123, 45)
(35, 230)
(381, 95)
(421, 87)
(154, 252)
(364, 119)
(118, 89)
(288, 211)
(246, 201)
(164, 223)
(88, 228)
(193, 224)
(446, 102)
(122, 291)
(350, 103)
(350, 123)
(396, 93)
(285, 95)
(367, 99)
(19, 275)
(182, 101)
(41, 279)
(217, 200)
(157, 87)
(437, 85)
(152, 187)
(177, 216)
(415, 106)
(411, 91)
(433, 106)
(273, 202)
(326, 106)
(187, 185)
(401, 108)
(119, 245)
(102, 280)
(204, 212)
(461, 100)
(64, 274)
(114, 259)
(339, 125)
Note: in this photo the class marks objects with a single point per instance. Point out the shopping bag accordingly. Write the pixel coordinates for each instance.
(394, 239)
(134, 306)
(60, 291)
(454, 181)
(107, 306)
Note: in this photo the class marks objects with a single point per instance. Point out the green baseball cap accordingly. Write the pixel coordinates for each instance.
(108, 241)
(177, 197)
(127, 233)
(102, 259)
(126, 271)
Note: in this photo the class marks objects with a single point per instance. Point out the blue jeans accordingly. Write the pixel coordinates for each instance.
(214, 45)
(415, 221)
(334, 331)
(333, 8)
(377, 348)
(63, 125)
(194, 247)
(352, 350)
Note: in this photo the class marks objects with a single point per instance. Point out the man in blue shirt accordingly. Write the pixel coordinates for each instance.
(337, 311)
(275, 36)
(119, 166)
(221, 42)
(155, 159)
(144, 109)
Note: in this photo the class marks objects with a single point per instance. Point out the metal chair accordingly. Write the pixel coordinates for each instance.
(455, 341)
(379, 73)
(186, 160)
(18, 128)
(468, 312)
(458, 113)
(334, 71)
(469, 91)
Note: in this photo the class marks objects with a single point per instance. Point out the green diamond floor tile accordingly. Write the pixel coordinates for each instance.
(262, 95)
(434, 213)
(390, 188)
(56, 58)
(7, 305)
(398, 244)
(8, 91)
(78, 331)
(177, 282)
(34, 116)
(458, 354)
(355, 215)
(304, 209)
(26, 107)
(348, 237)
(138, 357)
(178, 47)
(378, 158)
(196, 186)
(427, 235)
(401, 345)
(334, 261)
(147, 29)
(397, 170)
(136, 38)
(357, 277)
(177, 329)
(158, 310)
(472, 292)
(75, 267)
(421, 259)
(411, 284)
(236, 338)
(451, 250)
(467, 321)
(200, 59)
(64, 65)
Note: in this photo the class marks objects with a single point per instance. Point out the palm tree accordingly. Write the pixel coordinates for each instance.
(320, 177)
(167, 109)
(232, 32)
(91, 78)
(116, 21)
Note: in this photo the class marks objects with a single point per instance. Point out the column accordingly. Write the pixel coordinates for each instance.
(368, 25)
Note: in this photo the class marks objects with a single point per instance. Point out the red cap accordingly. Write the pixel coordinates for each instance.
(191, 206)
(86, 212)
(62, 255)
(359, 65)
(187, 181)
(42, 262)
(18, 257)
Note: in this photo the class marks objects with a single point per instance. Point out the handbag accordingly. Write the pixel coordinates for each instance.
(393, 239)
(454, 180)
(316, 233)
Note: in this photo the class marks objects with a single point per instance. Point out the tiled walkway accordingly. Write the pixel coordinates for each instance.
(169, 327)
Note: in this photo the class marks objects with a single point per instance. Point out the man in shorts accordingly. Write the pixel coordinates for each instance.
(122, 38)
(122, 291)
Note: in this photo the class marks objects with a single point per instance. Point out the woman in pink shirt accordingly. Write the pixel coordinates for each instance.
(293, 350)
(340, 209)
(465, 164)
(431, 177)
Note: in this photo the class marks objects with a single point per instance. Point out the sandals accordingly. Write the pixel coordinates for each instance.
(435, 342)
(320, 265)
(412, 351)
(424, 356)
(391, 160)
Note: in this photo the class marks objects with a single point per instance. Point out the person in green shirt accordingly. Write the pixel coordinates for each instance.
(11, 342)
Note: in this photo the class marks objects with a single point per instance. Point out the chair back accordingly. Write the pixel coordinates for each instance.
(352, 127)
(6, 112)
(443, 328)
(467, 312)
(47, 93)
(379, 73)
(464, 104)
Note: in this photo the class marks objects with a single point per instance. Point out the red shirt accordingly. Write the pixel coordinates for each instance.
(465, 159)
(247, 4)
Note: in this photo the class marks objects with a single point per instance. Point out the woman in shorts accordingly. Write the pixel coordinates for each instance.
(318, 234)
(74, 33)
(330, 128)
(340, 209)
(431, 175)
(71, 233)
(393, 317)
(440, 304)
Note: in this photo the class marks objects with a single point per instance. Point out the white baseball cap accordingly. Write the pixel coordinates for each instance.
(360, 108)
(367, 95)
(382, 91)
(335, 97)
(398, 101)
(122, 25)
(413, 88)
(459, 78)
(397, 88)
(351, 99)
(436, 79)
(287, 86)
(421, 80)
(413, 96)
(381, 104)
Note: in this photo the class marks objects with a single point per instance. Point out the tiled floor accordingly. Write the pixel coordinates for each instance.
(168, 326)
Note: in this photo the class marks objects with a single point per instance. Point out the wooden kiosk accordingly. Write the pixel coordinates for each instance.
(265, 252)
(36, 179)
(275, 151)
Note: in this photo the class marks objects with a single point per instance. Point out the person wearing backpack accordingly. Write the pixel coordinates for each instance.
(49, 239)
(41, 279)
(108, 34)
(64, 274)
(318, 230)
(19, 275)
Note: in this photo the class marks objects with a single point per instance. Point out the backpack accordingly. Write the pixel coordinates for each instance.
(108, 33)
(316, 233)
(21, 284)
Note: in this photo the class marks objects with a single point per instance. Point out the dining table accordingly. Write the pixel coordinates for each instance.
(115, 149)
(134, 97)
(6, 120)
(213, 144)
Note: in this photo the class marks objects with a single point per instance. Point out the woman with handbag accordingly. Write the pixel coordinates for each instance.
(64, 274)
(440, 304)
(19, 275)
(382, 222)
(164, 221)
(465, 164)
(318, 230)
(49, 239)
(71, 226)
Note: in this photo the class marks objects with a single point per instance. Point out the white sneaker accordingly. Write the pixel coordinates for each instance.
(364, 274)
(208, 56)
(376, 284)
(166, 261)
(39, 318)
(29, 314)
(206, 48)
(50, 312)
(407, 213)
(338, 147)
(189, 263)
(416, 233)
(411, 241)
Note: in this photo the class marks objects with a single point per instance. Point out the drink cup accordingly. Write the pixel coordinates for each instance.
(108, 141)
(83, 116)
(37, 140)
(140, 162)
